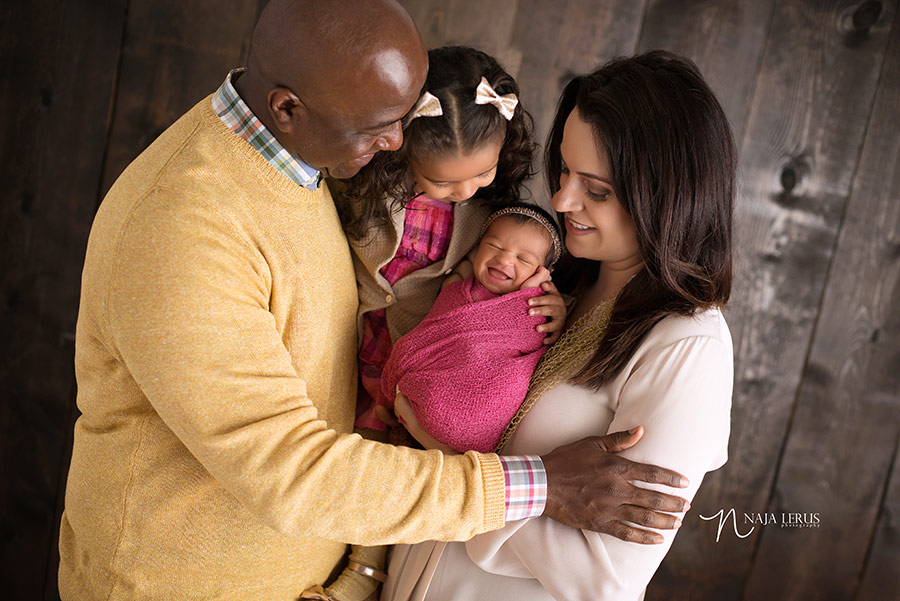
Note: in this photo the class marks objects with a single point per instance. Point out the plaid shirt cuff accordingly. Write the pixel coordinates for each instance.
(526, 486)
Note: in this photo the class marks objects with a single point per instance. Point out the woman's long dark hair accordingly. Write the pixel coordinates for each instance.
(454, 72)
(672, 163)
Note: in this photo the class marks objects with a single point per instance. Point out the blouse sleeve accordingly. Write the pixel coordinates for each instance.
(681, 394)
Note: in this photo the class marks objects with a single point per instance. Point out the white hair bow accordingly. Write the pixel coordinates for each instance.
(427, 105)
(506, 104)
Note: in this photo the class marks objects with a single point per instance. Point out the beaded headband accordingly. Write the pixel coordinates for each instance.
(543, 221)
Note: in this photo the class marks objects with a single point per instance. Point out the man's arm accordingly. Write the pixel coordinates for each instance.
(189, 318)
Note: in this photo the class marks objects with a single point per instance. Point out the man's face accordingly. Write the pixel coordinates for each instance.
(361, 114)
(340, 145)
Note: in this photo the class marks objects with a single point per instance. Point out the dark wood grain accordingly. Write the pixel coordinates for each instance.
(560, 40)
(174, 55)
(54, 102)
(848, 410)
(725, 39)
(881, 579)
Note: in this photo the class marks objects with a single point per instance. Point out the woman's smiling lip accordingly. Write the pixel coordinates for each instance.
(577, 229)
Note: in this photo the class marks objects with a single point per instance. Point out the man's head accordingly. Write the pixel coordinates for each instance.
(331, 79)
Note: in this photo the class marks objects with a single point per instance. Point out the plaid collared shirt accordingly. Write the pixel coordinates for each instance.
(526, 486)
(238, 117)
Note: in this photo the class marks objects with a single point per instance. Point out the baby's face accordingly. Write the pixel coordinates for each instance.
(509, 253)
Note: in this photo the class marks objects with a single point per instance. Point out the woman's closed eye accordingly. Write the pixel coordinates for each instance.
(602, 194)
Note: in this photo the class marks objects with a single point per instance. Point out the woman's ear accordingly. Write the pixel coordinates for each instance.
(287, 110)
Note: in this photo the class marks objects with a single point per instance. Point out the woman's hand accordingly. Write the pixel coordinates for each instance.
(540, 276)
(408, 418)
(552, 305)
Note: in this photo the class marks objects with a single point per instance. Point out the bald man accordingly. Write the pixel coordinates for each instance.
(216, 348)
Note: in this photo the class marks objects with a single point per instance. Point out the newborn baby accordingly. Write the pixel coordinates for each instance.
(466, 367)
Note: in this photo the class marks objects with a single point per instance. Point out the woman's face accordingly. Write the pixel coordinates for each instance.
(597, 227)
(456, 177)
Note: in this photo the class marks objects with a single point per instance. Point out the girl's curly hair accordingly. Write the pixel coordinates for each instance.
(386, 183)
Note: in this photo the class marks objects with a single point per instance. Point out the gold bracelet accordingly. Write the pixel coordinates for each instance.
(367, 571)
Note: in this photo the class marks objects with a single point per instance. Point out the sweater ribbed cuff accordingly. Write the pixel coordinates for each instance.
(494, 492)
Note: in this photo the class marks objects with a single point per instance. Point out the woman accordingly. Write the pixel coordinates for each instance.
(641, 165)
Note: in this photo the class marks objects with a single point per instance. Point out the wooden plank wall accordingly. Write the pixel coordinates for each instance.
(812, 90)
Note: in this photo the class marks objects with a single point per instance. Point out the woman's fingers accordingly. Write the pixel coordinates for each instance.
(540, 276)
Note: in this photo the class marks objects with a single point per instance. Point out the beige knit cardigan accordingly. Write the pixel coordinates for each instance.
(215, 358)
(408, 301)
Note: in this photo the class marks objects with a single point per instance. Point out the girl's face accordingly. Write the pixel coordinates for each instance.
(597, 227)
(509, 253)
(457, 177)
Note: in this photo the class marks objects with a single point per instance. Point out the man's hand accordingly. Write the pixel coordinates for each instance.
(590, 487)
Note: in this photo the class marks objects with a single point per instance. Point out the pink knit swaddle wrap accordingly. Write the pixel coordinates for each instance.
(466, 367)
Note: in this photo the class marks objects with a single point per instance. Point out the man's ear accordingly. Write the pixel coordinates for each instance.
(287, 110)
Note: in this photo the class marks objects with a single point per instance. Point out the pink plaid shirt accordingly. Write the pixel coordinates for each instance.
(426, 237)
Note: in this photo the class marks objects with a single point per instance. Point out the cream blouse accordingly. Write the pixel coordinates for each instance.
(678, 386)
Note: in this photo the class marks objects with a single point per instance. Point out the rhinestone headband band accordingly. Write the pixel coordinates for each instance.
(543, 221)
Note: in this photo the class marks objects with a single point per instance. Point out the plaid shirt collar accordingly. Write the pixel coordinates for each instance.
(238, 117)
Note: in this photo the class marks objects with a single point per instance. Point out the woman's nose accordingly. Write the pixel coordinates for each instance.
(564, 200)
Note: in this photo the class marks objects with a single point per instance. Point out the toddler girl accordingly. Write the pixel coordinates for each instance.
(414, 214)
(465, 369)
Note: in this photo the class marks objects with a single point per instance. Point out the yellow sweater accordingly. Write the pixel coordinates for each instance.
(215, 358)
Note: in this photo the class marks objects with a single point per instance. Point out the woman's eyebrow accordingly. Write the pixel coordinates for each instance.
(602, 180)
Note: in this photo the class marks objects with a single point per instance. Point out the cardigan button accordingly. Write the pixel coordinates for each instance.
(388, 299)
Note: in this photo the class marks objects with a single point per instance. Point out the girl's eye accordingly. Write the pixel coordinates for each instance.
(494, 246)
(524, 261)
(439, 185)
(598, 195)
(489, 173)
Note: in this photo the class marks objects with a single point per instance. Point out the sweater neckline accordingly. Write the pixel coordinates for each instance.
(234, 145)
